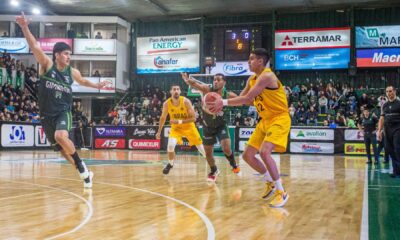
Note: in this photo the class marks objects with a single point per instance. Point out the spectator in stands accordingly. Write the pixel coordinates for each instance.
(301, 116)
(114, 36)
(365, 101)
(71, 33)
(323, 104)
(96, 74)
(350, 122)
(160, 94)
(382, 100)
(98, 36)
(122, 113)
(148, 91)
(5, 34)
(341, 119)
(312, 117)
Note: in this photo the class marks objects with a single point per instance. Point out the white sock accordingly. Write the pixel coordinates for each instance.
(267, 177)
(278, 185)
(201, 150)
(171, 162)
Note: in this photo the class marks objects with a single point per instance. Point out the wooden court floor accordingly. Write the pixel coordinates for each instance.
(41, 197)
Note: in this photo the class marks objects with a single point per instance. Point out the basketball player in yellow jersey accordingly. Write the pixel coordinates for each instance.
(182, 120)
(271, 133)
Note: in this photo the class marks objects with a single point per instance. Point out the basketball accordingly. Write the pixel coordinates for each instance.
(211, 98)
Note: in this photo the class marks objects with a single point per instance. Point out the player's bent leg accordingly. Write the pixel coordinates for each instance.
(249, 156)
(209, 152)
(226, 148)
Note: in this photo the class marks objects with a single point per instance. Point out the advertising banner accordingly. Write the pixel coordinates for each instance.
(378, 36)
(356, 149)
(14, 45)
(17, 135)
(353, 135)
(164, 54)
(307, 147)
(47, 44)
(142, 132)
(312, 38)
(108, 131)
(95, 46)
(144, 144)
(109, 87)
(312, 134)
(383, 57)
(245, 132)
(232, 68)
(40, 137)
(330, 58)
(109, 143)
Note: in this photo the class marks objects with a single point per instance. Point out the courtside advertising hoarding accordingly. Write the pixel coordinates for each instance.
(17, 135)
(95, 46)
(166, 54)
(378, 36)
(14, 45)
(232, 68)
(378, 57)
(323, 48)
(47, 44)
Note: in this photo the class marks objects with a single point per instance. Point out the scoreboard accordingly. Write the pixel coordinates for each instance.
(235, 44)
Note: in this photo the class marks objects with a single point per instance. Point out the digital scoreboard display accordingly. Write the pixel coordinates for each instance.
(235, 44)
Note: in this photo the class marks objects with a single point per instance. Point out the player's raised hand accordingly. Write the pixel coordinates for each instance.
(22, 21)
(185, 77)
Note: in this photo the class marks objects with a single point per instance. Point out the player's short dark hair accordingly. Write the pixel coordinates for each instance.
(174, 85)
(262, 53)
(220, 75)
(59, 47)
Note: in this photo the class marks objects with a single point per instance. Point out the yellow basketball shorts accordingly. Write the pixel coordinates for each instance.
(185, 130)
(275, 131)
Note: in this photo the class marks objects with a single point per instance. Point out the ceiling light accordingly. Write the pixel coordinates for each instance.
(14, 3)
(36, 11)
(48, 24)
(340, 10)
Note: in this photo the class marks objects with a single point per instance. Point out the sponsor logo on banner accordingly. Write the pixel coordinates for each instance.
(13, 135)
(144, 144)
(353, 135)
(378, 36)
(109, 143)
(95, 46)
(47, 44)
(356, 149)
(304, 147)
(110, 85)
(385, 57)
(312, 134)
(163, 54)
(142, 132)
(331, 58)
(245, 132)
(232, 69)
(110, 132)
(312, 38)
(14, 45)
(40, 137)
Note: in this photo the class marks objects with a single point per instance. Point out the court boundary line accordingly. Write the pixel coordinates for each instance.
(87, 218)
(364, 231)
(206, 220)
(24, 195)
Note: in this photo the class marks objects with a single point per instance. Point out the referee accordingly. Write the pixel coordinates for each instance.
(390, 122)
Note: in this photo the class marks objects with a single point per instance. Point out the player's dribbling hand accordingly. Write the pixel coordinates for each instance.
(158, 135)
(22, 21)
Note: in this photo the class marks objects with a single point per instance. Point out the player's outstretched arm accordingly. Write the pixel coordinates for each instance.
(193, 83)
(44, 60)
(77, 76)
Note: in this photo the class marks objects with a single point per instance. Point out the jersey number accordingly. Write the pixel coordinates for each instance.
(260, 107)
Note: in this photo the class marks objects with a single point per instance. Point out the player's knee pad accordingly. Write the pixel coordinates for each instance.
(171, 144)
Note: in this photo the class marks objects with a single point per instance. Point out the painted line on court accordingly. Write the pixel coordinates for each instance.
(207, 222)
(385, 186)
(88, 216)
(24, 195)
(364, 234)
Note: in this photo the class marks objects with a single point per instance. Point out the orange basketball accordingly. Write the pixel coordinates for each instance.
(211, 97)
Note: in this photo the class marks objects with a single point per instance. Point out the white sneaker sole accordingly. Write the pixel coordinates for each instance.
(89, 184)
(282, 204)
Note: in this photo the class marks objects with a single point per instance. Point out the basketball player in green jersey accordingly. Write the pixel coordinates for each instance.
(55, 97)
(214, 125)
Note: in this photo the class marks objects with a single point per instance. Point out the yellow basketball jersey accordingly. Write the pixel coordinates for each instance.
(177, 112)
(271, 102)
